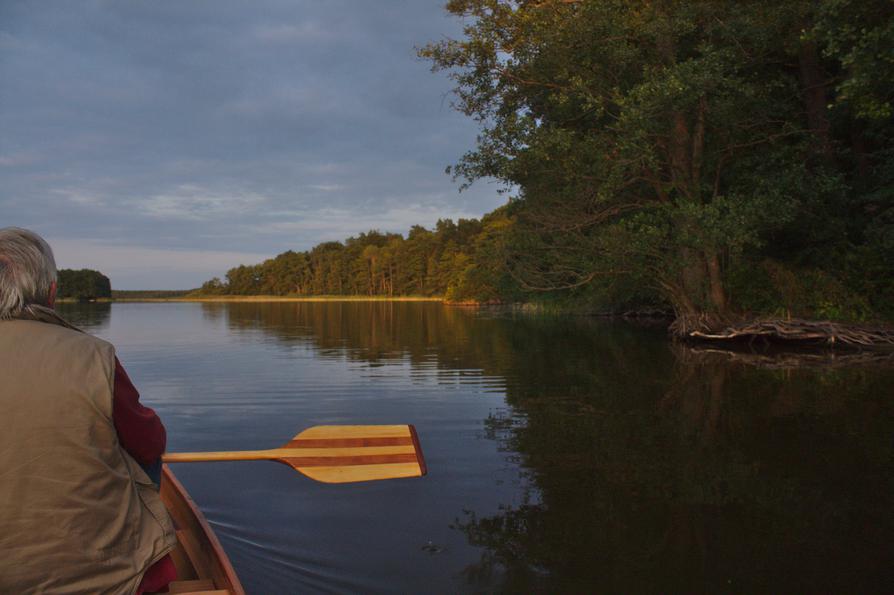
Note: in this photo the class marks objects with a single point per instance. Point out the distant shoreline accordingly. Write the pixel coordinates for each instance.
(262, 298)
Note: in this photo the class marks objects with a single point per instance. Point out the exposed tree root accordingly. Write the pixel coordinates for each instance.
(793, 331)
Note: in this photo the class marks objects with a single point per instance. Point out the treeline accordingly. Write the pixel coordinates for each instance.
(461, 260)
(83, 284)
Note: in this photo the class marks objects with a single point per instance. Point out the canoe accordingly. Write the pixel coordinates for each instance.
(203, 567)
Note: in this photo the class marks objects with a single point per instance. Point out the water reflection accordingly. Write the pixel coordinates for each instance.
(368, 331)
(652, 467)
(731, 478)
(88, 316)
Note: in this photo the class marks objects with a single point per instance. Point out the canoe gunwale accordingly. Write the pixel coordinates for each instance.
(174, 495)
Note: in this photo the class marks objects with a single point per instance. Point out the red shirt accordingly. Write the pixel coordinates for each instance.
(142, 434)
(139, 429)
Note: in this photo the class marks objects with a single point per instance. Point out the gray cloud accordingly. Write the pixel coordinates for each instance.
(226, 127)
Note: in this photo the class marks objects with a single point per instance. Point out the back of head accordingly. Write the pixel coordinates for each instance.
(27, 271)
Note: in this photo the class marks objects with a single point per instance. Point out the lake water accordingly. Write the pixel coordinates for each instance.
(565, 455)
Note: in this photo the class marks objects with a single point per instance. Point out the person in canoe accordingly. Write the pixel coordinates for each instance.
(79, 510)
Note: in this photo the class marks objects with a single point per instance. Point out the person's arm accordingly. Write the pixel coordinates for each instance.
(140, 431)
(143, 436)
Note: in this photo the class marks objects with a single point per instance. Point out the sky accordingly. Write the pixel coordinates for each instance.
(164, 142)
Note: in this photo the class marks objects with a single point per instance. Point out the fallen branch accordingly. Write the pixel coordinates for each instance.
(794, 331)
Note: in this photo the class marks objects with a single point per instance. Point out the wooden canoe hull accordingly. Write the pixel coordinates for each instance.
(202, 565)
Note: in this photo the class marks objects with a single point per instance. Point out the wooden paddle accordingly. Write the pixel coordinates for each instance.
(335, 454)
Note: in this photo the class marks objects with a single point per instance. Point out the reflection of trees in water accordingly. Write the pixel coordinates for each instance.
(214, 311)
(456, 338)
(732, 477)
(655, 468)
(364, 331)
(87, 316)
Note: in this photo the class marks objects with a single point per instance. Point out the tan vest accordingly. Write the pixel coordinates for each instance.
(77, 513)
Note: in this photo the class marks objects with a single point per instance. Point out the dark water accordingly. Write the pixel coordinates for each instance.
(565, 456)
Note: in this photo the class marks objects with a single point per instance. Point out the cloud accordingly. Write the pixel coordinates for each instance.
(18, 159)
(287, 33)
(79, 197)
(196, 203)
(310, 98)
(327, 187)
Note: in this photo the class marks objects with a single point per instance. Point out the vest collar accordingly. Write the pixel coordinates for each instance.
(43, 314)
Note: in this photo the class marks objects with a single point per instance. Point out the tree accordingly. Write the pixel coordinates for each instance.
(213, 287)
(244, 280)
(481, 274)
(83, 284)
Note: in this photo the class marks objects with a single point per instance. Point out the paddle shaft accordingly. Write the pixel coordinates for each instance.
(293, 454)
(204, 457)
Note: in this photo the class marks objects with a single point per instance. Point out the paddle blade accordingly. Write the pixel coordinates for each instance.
(343, 454)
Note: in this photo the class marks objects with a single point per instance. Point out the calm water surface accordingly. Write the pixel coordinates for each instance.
(565, 455)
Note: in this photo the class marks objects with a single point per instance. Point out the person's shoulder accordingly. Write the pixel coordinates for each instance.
(87, 339)
(68, 336)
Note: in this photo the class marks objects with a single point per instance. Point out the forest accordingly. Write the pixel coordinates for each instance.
(461, 261)
(720, 160)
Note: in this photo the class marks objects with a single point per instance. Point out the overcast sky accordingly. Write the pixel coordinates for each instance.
(163, 142)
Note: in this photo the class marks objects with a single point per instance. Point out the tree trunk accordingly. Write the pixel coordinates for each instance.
(813, 82)
(680, 156)
(698, 145)
(715, 280)
(692, 277)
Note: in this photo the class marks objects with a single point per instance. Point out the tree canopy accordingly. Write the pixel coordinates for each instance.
(720, 156)
(83, 284)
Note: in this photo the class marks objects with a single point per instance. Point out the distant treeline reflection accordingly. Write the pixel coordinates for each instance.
(86, 316)
(649, 464)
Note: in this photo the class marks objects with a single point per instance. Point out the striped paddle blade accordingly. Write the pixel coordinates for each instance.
(342, 454)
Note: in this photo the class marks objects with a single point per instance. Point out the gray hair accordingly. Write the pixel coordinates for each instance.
(27, 271)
